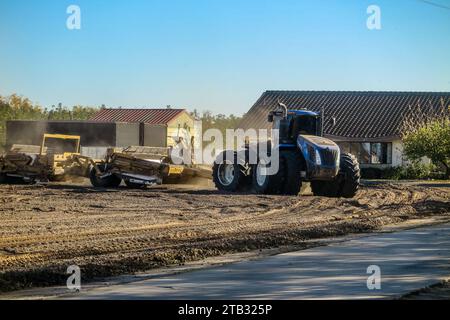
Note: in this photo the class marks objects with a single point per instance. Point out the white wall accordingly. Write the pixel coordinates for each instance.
(398, 158)
(397, 153)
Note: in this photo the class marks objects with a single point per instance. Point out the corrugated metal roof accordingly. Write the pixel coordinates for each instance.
(149, 116)
(359, 115)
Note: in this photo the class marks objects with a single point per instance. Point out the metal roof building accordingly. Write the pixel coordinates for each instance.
(157, 127)
(110, 128)
(368, 116)
(147, 116)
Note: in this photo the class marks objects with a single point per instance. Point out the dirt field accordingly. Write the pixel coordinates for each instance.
(44, 229)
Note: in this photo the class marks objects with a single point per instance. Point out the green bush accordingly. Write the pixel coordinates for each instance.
(413, 171)
(416, 170)
(432, 140)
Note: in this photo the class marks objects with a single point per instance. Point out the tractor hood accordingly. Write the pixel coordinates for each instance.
(322, 156)
(319, 141)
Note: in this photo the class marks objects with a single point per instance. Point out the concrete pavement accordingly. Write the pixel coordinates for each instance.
(408, 260)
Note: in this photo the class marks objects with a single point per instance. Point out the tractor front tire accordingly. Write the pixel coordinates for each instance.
(352, 175)
(345, 185)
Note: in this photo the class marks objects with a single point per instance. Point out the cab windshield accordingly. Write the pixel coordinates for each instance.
(304, 124)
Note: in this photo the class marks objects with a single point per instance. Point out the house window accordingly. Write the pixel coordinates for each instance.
(364, 152)
(381, 153)
(369, 153)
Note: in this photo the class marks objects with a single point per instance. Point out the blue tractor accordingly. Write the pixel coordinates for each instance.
(304, 156)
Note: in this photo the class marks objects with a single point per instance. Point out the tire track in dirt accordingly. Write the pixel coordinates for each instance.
(121, 232)
(128, 230)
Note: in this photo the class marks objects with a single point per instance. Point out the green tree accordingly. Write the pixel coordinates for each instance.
(74, 113)
(219, 121)
(15, 107)
(432, 140)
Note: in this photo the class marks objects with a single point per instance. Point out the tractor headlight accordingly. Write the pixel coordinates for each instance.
(317, 158)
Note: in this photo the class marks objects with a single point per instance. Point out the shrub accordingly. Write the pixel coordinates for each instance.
(413, 171)
(430, 139)
(416, 170)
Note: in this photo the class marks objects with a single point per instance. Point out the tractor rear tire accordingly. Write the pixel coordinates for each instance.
(111, 181)
(265, 184)
(290, 172)
(227, 174)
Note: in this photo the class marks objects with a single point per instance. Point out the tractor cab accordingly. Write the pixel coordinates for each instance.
(292, 123)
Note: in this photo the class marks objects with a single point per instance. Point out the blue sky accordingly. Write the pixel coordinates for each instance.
(218, 55)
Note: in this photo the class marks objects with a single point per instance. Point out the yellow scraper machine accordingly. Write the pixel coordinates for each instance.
(57, 157)
(141, 166)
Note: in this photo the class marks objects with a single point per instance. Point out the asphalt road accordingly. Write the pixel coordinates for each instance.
(407, 260)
